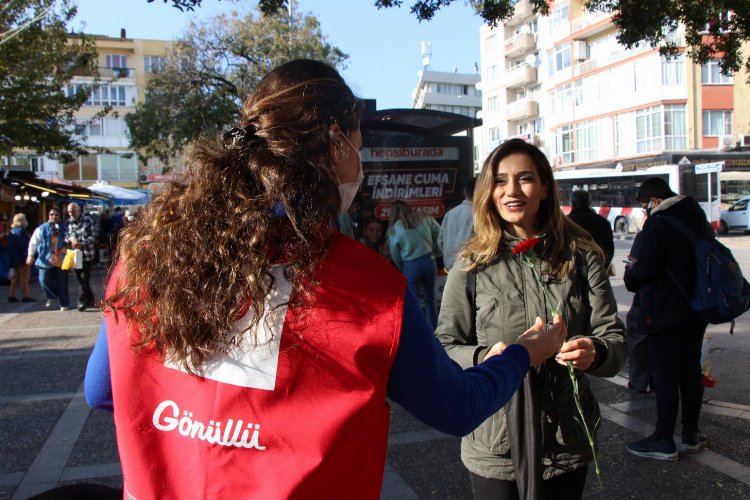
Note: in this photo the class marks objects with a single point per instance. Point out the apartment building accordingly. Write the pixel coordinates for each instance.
(124, 65)
(564, 83)
(450, 92)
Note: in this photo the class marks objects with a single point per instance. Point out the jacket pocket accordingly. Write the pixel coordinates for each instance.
(492, 434)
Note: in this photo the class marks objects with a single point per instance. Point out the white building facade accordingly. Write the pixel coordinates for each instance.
(565, 84)
(451, 92)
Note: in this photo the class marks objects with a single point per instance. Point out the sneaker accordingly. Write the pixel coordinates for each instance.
(48, 304)
(28, 299)
(64, 308)
(12, 299)
(654, 447)
(694, 443)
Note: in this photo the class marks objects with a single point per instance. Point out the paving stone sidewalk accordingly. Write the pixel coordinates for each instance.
(49, 437)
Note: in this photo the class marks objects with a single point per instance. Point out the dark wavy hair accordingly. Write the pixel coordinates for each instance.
(562, 237)
(202, 249)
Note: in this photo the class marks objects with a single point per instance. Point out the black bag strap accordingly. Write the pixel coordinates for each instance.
(683, 228)
(471, 292)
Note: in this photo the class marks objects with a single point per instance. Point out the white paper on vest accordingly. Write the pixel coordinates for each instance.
(245, 364)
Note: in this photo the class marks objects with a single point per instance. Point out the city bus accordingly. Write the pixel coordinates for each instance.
(613, 192)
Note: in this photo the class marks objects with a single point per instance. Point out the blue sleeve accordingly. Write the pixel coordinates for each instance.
(97, 385)
(436, 390)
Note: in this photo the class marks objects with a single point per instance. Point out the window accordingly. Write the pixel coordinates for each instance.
(495, 134)
(675, 127)
(586, 141)
(564, 140)
(566, 97)
(558, 18)
(492, 72)
(648, 129)
(711, 74)
(717, 122)
(723, 20)
(490, 43)
(100, 127)
(82, 168)
(113, 95)
(492, 104)
(673, 71)
(153, 64)
(560, 58)
(116, 61)
(115, 167)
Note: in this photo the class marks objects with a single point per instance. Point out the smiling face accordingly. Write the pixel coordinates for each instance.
(373, 232)
(518, 193)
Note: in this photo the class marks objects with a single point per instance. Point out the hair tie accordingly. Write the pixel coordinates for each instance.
(237, 138)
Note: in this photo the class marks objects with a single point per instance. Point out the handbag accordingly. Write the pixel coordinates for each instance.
(77, 258)
(68, 261)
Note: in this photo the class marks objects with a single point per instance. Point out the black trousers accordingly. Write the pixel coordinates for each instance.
(84, 277)
(568, 486)
(639, 366)
(676, 366)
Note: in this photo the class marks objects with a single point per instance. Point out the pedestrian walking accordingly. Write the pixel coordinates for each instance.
(46, 251)
(675, 333)
(269, 314)
(18, 245)
(82, 235)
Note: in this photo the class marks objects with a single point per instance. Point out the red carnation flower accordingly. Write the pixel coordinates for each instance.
(526, 245)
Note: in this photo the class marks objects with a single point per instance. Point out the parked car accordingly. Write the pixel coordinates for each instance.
(736, 217)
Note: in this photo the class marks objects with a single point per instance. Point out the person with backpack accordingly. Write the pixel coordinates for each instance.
(662, 273)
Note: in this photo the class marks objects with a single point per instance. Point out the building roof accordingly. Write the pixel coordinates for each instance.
(417, 121)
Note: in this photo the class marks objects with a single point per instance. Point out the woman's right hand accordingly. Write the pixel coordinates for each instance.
(543, 344)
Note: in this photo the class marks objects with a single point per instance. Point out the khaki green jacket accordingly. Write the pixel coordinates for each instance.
(508, 299)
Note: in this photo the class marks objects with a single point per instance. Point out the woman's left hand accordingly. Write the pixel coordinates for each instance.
(581, 352)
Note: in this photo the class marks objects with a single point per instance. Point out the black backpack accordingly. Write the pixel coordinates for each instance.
(721, 292)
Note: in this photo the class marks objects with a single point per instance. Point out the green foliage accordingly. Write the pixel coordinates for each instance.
(211, 68)
(650, 21)
(654, 20)
(36, 64)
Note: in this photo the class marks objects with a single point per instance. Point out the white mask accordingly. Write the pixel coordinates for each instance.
(348, 190)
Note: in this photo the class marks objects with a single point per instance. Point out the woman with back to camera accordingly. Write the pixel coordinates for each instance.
(253, 359)
(412, 239)
(533, 447)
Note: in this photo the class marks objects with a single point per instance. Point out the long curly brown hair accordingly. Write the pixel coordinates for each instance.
(200, 252)
(562, 237)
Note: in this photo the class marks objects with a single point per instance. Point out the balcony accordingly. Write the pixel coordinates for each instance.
(522, 12)
(519, 44)
(591, 24)
(522, 109)
(108, 73)
(520, 76)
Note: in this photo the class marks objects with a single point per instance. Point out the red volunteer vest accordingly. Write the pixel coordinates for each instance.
(308, 421)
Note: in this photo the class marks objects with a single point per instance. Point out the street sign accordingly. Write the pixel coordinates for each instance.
(706, 168)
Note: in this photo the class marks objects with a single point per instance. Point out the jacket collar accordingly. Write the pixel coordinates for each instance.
(668, 203)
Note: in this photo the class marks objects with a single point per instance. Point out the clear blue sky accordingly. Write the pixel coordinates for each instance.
(383, 45)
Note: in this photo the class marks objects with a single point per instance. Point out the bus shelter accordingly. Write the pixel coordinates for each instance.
(416, 156)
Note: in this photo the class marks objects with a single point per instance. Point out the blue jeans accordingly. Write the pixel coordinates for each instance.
(421, 272)
(54, 282)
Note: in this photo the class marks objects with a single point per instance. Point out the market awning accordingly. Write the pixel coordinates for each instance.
(27, 181)
(119, 195)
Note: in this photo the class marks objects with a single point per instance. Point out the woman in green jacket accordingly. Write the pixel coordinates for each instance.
(534, 446)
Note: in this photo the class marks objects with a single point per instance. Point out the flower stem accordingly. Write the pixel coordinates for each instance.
(589, 435)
